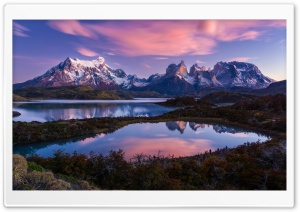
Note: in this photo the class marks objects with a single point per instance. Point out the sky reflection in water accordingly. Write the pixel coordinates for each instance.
(169, 138)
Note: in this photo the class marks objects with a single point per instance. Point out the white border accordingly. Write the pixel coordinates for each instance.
(147, 198)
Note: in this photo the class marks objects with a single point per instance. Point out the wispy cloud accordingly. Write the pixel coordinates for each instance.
(136, 38)
(179, 38)
(146, 65)
(160, 58)
(72, 27)
(117, 64)
(86, 52)
(110, 53)
(20, 30)
(242, 59)
(199, 61)
(230, 30)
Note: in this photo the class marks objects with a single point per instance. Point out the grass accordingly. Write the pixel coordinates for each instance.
(35, 167)
(31, 176)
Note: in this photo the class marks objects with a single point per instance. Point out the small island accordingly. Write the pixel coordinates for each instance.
(16, 113)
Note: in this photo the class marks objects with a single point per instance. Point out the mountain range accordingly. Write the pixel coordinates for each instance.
(177, 80)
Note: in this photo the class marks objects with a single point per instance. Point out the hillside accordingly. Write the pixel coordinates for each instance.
(18, 98)
(273, 88)
(31, 176)
(227, 97)
(71, 92)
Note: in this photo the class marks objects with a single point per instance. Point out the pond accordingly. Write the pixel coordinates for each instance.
(52, 110)
(176, 138)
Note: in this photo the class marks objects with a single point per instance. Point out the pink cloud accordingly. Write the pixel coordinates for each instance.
(155, 37)
(72, 27)
(118, 64)
(19, 30)
(230, 30)
(146, 65)
(165, 38)
(86, 52)
(160, 58)
(242, 59)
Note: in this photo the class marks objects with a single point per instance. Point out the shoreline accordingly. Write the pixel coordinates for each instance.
(107, 125)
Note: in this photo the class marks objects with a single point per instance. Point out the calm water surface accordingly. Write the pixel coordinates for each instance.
(51, 110)
(176, 138)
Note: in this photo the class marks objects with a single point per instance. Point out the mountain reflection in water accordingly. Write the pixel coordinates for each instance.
(181, 125)
(168, 138)
(63, 110)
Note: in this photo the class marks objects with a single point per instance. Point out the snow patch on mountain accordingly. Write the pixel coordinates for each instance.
(97, 74)
(140, 84)
(189, 79)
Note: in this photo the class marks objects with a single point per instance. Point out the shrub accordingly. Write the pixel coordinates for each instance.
(58, 185)
(19, 170)
(38, 180)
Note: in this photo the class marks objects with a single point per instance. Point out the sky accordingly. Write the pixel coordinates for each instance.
(145, 47)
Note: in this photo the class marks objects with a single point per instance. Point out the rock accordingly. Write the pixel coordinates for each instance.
(16, 113)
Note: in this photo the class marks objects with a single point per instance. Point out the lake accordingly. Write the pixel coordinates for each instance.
(51, 110)
(176, 138)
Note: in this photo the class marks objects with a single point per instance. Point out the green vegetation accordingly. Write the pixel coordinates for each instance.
(35, 167)
(79, 92)
(18, 98)
(147, 94)
(227, 97)
(30, 176)
(266, 112)
(185, 101)
(71, 92)
(252, 166)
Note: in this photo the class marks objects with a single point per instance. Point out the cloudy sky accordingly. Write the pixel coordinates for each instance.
(145, 47)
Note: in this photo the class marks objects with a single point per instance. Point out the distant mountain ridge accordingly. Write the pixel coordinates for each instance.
(177, 80)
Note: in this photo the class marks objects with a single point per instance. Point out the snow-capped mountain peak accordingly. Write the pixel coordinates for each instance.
(100, 61)
(73, 71)
(97, 74)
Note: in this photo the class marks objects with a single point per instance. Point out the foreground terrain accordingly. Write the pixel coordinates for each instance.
(250, 166)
